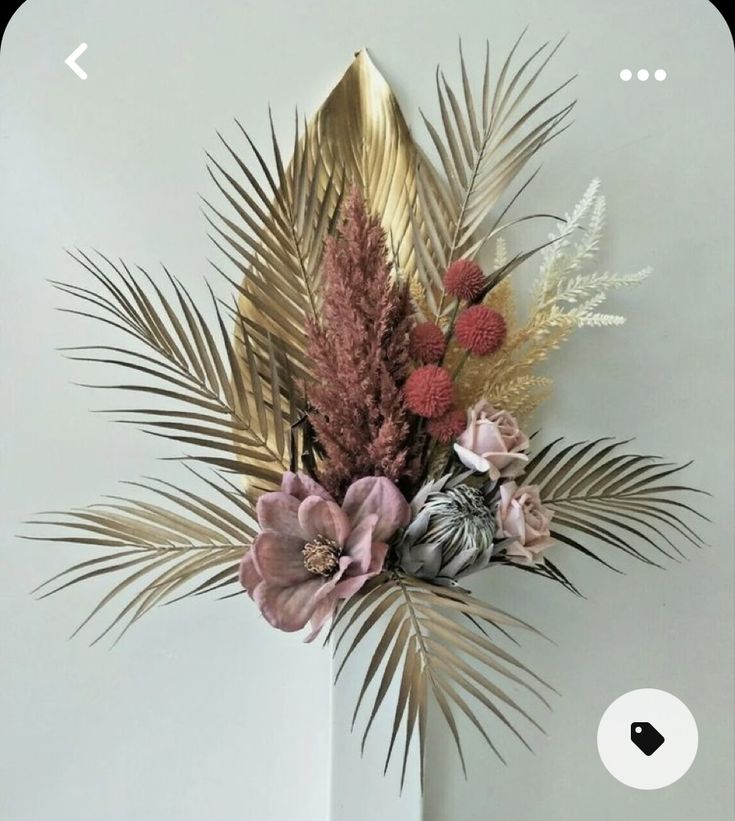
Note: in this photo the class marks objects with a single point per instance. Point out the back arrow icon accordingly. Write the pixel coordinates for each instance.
(71, 61)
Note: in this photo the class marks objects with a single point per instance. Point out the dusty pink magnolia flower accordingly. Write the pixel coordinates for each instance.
(492, 442)
(312, 551)
(524, 522)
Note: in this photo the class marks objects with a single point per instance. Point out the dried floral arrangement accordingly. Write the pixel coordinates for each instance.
(361, 404)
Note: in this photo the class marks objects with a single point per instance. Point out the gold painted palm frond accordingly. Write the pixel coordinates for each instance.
(434, 646)
(180, 544)
(275, 235)
(233, 401)
(281, 215)
(361, 130)
(278, 218)
(621, 500)
(482, 149)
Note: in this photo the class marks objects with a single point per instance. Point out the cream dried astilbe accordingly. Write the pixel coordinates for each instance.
(566, 295)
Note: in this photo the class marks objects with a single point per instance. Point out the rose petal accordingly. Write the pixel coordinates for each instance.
(288, 608)
(300, 485)
(507, 492)
(279, 559)
(515, 522)
(488, 439)
(321, 518)
(378, 495)
(509, 464)
(249, 576)
(471, 460)
(280, 512)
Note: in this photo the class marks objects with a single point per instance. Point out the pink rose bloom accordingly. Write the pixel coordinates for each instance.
(492, 443)
(312, 551)
(524, 522)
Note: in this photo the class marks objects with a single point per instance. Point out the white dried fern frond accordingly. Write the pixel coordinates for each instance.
(562, 281)
(557, 258)
(501, 254)
(567, 294)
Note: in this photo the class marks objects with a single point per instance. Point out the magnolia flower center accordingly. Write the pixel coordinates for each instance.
(321, 556)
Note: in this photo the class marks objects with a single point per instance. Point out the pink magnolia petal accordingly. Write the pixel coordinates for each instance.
(321, 616)
(279, 511)
(249, 576)
(288, 608)
(349, 585)
(344, 562)
(279, 559)
(359, 546)
(321, 518)
(300, 485)
(377, 559)
(378, 495)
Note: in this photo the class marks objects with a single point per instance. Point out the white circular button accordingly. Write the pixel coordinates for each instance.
(647, 739)
(643, 74)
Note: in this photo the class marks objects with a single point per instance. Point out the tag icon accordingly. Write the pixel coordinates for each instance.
(646, 737)
(650, 754)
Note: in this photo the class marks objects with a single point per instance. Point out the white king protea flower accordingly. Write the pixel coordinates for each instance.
(451, 532)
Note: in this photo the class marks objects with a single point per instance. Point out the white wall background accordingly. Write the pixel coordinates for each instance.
(203, 711)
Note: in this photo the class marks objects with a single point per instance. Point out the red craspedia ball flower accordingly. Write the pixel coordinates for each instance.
(464, 279)
(447, 427)
(429, 391)
(426, 343)
(480, 330)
